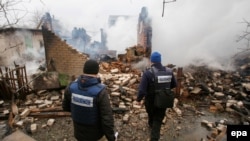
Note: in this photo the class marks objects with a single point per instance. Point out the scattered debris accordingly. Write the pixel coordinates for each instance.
(217, 91)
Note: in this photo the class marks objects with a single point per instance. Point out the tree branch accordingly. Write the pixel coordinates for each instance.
(10, 14)
(17, 45)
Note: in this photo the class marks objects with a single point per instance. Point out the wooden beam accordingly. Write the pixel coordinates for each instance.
(50, 114)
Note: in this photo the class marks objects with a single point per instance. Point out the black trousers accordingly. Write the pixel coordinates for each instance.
(155, 117)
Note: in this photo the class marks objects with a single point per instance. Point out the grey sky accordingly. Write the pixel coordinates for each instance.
(190, 29)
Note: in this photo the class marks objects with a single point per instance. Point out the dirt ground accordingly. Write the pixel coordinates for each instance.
(176, 128)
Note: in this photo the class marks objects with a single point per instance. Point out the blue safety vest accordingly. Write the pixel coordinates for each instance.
(84, 108)
(161, 78)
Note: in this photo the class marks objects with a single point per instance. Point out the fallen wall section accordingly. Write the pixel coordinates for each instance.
(60, 56)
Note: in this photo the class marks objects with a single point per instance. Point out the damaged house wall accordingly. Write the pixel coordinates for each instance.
(15, 41)
(60, 56)
(18, 47)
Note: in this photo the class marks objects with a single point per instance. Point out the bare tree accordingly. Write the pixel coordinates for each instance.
(36, 18)
(11, 12)
(245, 36)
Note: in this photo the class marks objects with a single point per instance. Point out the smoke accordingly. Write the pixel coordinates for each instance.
(190, 30)
(123, 34)
(25, 54)
(142, 64)
(202, 30)
(33, 59)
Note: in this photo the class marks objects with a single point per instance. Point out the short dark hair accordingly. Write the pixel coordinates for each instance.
(91, 67)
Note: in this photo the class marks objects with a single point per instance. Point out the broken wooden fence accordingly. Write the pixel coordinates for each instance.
(14, 81)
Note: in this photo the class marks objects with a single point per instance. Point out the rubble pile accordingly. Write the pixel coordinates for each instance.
(224, 91)
(117, 67)
(122, 87)
(220, 90)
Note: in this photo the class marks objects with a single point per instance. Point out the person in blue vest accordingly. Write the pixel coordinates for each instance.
(89, 104)
(146, 89)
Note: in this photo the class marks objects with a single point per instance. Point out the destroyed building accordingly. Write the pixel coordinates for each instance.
(16, 42)
(144, 31)
(60, 56)
(69, 60)
(142, 49)
(212, 90)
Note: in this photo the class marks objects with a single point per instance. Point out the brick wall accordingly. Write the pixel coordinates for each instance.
(60, 56)
(144, 35)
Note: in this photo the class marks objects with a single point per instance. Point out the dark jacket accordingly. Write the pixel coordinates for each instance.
(147, 81)
(105, 126)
